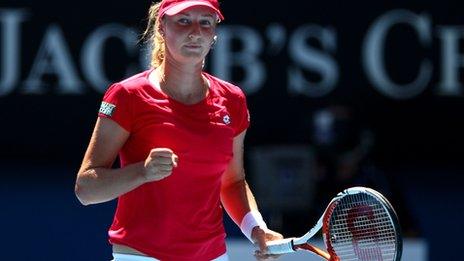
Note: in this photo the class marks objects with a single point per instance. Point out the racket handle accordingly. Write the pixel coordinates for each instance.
(281, 246)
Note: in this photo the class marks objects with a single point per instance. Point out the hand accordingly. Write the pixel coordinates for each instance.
(260, 236)
(159, 164)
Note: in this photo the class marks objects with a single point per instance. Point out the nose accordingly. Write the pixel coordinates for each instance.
(195, 32)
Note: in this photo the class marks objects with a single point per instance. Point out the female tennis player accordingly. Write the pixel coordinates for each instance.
(179, 133)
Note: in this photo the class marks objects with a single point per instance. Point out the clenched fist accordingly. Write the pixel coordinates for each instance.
(159, 164)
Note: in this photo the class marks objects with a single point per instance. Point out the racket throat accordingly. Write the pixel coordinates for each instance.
(316, 251)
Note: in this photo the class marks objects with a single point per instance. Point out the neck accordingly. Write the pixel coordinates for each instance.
(184, 83)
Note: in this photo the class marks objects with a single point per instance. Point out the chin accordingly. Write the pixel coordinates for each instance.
(194, 57)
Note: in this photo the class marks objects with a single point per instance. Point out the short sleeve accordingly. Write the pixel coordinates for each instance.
(116, 105)
(243, 115)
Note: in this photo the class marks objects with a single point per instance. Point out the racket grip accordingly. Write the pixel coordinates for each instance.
(281, 246)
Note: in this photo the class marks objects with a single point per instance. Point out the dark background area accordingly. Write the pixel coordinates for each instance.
(418, 140)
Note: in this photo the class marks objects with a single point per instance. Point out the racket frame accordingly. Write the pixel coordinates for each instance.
(289, 245)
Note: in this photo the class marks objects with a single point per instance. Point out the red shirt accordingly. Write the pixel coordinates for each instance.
(179, 217)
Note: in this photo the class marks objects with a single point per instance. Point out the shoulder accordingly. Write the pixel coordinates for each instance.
(133, 83)
(224, 88)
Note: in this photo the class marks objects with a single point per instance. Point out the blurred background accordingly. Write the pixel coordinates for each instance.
(340, 94)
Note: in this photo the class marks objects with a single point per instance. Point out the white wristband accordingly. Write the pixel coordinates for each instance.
(250, 220)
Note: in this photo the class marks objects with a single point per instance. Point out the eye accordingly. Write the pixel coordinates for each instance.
(206, 23)
(184, 21)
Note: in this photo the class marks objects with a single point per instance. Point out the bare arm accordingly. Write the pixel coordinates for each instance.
(238, 199)
(236, 195)
(97, 182)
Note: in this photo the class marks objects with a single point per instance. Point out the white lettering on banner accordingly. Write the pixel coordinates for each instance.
(452, 60)
(93, 65)
(276, 33)
(224, 58)
(374, 48)
(10, 20)
(312, 59)
(54, 57)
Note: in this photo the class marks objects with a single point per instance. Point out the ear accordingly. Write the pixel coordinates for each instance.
(162, 27)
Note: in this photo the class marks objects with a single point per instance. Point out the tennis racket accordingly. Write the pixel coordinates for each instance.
(358, 224)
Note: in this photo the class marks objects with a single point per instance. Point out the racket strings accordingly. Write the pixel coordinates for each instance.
(362, 229)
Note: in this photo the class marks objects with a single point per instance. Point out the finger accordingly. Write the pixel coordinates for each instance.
(262, 256)
(258, 255)
(163, 152)
(273, 236)
(272, 257)
(261, 240)
(156, 165)
(259, 237)
(164, 167)
(175, 160)
(162, 161)
(164, 173)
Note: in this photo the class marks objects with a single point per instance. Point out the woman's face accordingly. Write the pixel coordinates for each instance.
(189, 34)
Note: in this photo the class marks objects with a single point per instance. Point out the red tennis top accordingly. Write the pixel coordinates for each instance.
(180, 217)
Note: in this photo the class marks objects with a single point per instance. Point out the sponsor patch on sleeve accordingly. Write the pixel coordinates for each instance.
(107, 109)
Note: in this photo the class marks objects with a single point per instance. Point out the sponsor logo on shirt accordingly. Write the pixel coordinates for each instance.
(107, 108)
(226, 119)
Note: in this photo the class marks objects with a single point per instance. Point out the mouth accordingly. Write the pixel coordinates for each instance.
(193, 46)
